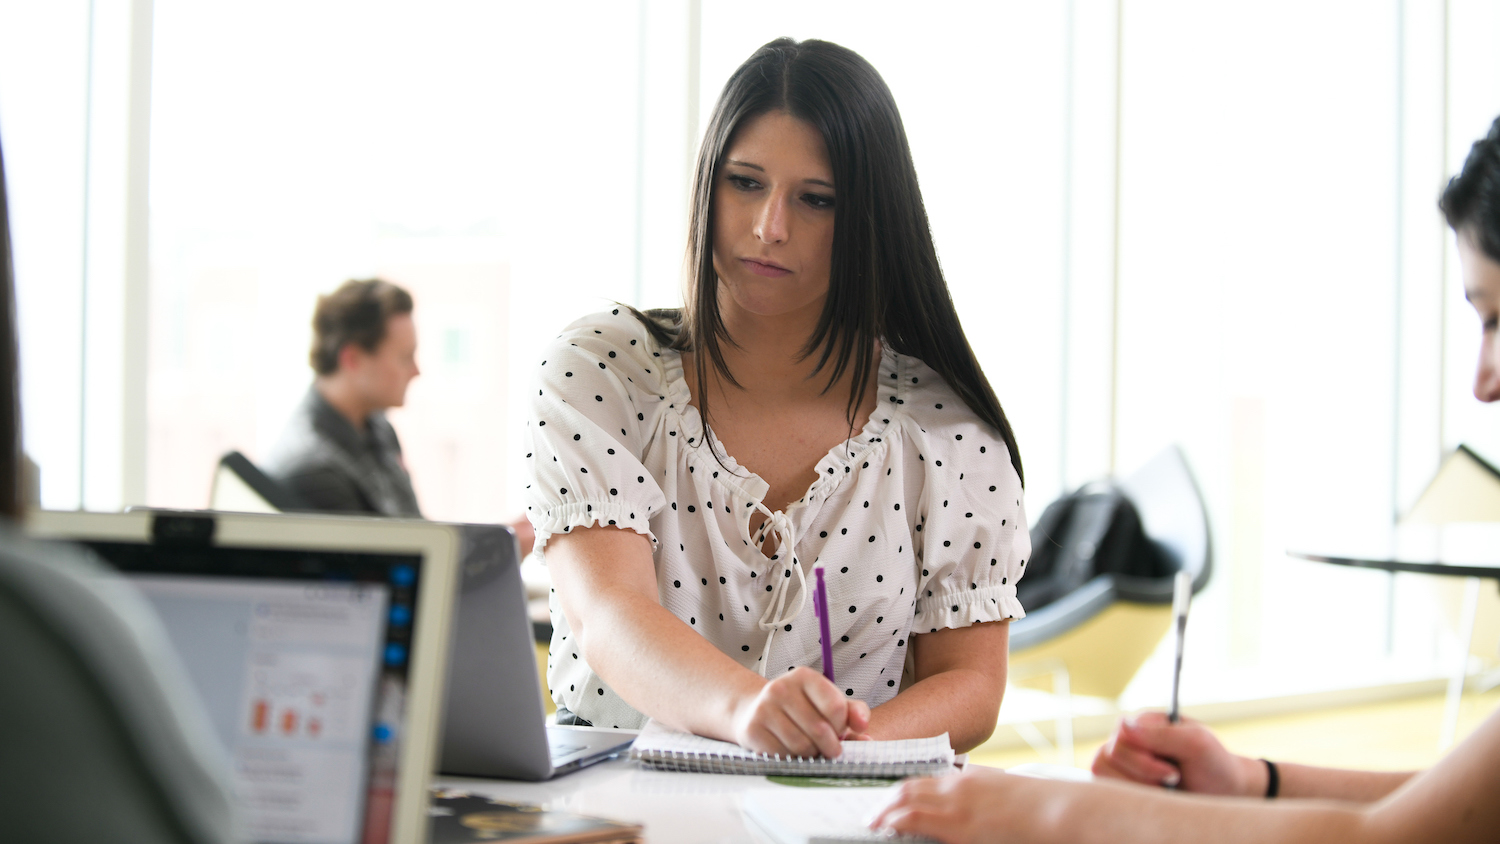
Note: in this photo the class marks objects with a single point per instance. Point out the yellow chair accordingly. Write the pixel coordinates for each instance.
(1093, 639)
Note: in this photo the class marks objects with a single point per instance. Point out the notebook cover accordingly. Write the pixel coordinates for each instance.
(459, 817)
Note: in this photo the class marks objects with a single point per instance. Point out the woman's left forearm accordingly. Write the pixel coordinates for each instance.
(961, 702)
(960, 679)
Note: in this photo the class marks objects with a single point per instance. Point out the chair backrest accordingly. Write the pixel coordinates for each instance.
(102, 734)
(1091, 532)
(1171, 535)
(241, 487)
(1175, 520)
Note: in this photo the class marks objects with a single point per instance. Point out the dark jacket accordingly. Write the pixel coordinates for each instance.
(336, 468)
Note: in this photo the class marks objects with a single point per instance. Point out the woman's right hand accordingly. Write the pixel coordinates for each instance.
(800, 713)
(1149, 749)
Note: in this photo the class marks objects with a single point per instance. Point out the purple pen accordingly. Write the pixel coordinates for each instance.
(820, 609)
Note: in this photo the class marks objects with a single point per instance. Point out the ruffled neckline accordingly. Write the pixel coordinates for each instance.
(832, 468)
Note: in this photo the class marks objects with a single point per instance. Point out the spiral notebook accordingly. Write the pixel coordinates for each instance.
(670, 750)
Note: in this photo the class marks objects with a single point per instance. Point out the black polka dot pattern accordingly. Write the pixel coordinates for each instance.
(922, 501)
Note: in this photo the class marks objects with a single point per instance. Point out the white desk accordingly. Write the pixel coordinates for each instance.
(673, 807)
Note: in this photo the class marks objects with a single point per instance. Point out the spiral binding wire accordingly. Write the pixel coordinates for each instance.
(778, 765)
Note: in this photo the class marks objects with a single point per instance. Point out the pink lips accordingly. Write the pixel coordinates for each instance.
(767, 270)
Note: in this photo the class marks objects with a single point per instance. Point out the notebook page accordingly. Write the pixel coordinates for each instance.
(822, 815)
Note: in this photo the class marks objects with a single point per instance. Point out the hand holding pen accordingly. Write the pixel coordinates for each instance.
(802, 712)
(1166, 749)
(1150, 750)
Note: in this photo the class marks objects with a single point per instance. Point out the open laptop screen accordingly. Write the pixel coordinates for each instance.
(300, 658)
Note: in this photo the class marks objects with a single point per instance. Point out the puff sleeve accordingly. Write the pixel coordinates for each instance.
(595, 403)
(972, 541)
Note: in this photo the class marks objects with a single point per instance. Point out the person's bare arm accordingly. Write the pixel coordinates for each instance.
(606, 584)
(1453, 802)
(1307, 781)
(960, 680)
(985, 804)
(1148, 749)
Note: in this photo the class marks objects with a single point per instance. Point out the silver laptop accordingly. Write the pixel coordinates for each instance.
(318, 646)
(495, 724)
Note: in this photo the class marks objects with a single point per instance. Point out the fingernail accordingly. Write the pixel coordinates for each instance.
(1171, 780)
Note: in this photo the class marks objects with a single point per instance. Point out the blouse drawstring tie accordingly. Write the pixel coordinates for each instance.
(777, 612)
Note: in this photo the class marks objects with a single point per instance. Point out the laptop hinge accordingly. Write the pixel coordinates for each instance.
(183, 529)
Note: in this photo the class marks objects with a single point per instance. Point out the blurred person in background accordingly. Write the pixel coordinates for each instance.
(338, 452)
(1230, 797)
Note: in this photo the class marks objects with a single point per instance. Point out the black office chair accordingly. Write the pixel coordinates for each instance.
(101, 736)
(1092, 637)
(240, 486)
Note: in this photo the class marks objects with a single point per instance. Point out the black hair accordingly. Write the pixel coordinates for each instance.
(1472, 198)
(10, 399)
(885, 283)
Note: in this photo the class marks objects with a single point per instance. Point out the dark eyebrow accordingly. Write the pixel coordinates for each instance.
(738, 163)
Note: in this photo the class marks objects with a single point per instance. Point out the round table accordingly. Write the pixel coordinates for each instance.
(1472, 574)
(1486, 570)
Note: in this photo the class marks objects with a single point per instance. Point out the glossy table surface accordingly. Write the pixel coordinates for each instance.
(677, 808)
(1417, 566)
(673, 807)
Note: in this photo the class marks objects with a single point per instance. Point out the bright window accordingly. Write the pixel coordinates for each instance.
(1254, 271)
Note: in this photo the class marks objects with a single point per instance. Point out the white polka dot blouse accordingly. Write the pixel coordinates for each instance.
(917, 521)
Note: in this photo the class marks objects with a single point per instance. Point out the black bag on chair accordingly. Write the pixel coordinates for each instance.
(1095, 530)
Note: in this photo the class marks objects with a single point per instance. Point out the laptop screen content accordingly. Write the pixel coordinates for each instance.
(301, 660)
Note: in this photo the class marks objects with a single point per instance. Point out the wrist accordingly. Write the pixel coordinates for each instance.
(1273, 779)
(1254, 777)
(739, 704)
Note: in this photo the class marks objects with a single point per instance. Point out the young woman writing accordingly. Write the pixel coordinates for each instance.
(1456, 801)
(815, 403)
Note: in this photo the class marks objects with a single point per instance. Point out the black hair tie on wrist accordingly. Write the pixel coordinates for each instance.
(1273, 779)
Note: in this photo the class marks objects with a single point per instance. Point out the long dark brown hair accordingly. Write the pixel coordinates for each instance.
(10, 404)
(885, 283)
